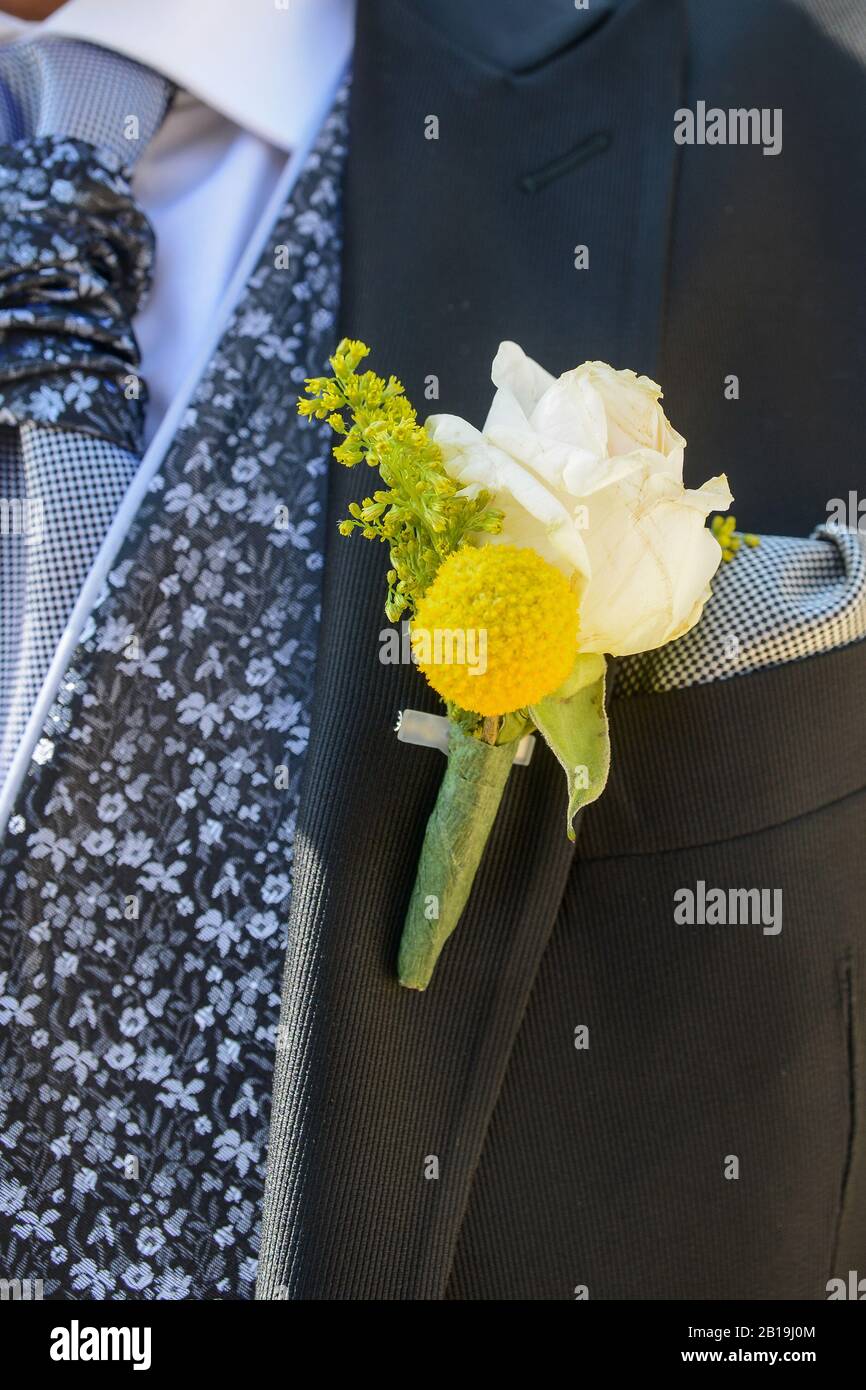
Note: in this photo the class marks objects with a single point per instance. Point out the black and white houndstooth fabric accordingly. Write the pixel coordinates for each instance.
(75, 483)
(76, 258)
(786, 599)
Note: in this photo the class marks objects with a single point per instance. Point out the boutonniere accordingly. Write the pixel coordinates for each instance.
(524, 554)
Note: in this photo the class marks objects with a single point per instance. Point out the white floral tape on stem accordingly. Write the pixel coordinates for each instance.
(431, 731)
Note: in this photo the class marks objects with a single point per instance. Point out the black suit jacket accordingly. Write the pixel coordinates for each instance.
(608, 1167)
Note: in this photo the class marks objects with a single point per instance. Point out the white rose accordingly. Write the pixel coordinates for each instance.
(588, 472)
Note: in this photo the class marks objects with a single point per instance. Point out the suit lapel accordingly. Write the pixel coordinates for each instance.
(452, 243)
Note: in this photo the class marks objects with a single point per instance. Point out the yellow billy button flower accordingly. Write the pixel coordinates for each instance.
(497, 629)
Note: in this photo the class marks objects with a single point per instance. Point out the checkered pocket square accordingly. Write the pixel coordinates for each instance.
(784, 600)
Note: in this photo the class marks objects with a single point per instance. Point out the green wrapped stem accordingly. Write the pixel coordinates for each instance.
(457, 831)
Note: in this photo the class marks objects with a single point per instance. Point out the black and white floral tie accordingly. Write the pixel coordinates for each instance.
(75, 263)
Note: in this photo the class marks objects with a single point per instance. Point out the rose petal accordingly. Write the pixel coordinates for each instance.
(513, 371)
(573, 413)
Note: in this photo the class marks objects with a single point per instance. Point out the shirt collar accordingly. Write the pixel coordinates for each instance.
(261, 65)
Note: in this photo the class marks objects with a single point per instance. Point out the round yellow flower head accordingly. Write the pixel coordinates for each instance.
(497, 629)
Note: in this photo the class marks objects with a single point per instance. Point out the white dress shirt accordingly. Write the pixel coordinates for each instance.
(255, 79)
(251, 77)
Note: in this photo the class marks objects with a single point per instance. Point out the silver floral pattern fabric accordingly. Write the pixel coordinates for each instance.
(77, 254)
(146, 873)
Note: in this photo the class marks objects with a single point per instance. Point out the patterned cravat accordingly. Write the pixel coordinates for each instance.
(75, 262)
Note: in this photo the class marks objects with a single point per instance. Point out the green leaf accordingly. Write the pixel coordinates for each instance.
(574, 724)
(514, 726)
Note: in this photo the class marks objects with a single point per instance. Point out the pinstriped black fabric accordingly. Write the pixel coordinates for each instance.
(371, 1081)
(743, 782)
(563, 1167)
(605, 1165)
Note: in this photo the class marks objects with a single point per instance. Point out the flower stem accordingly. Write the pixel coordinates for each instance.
(457, 832)
(490, 726)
